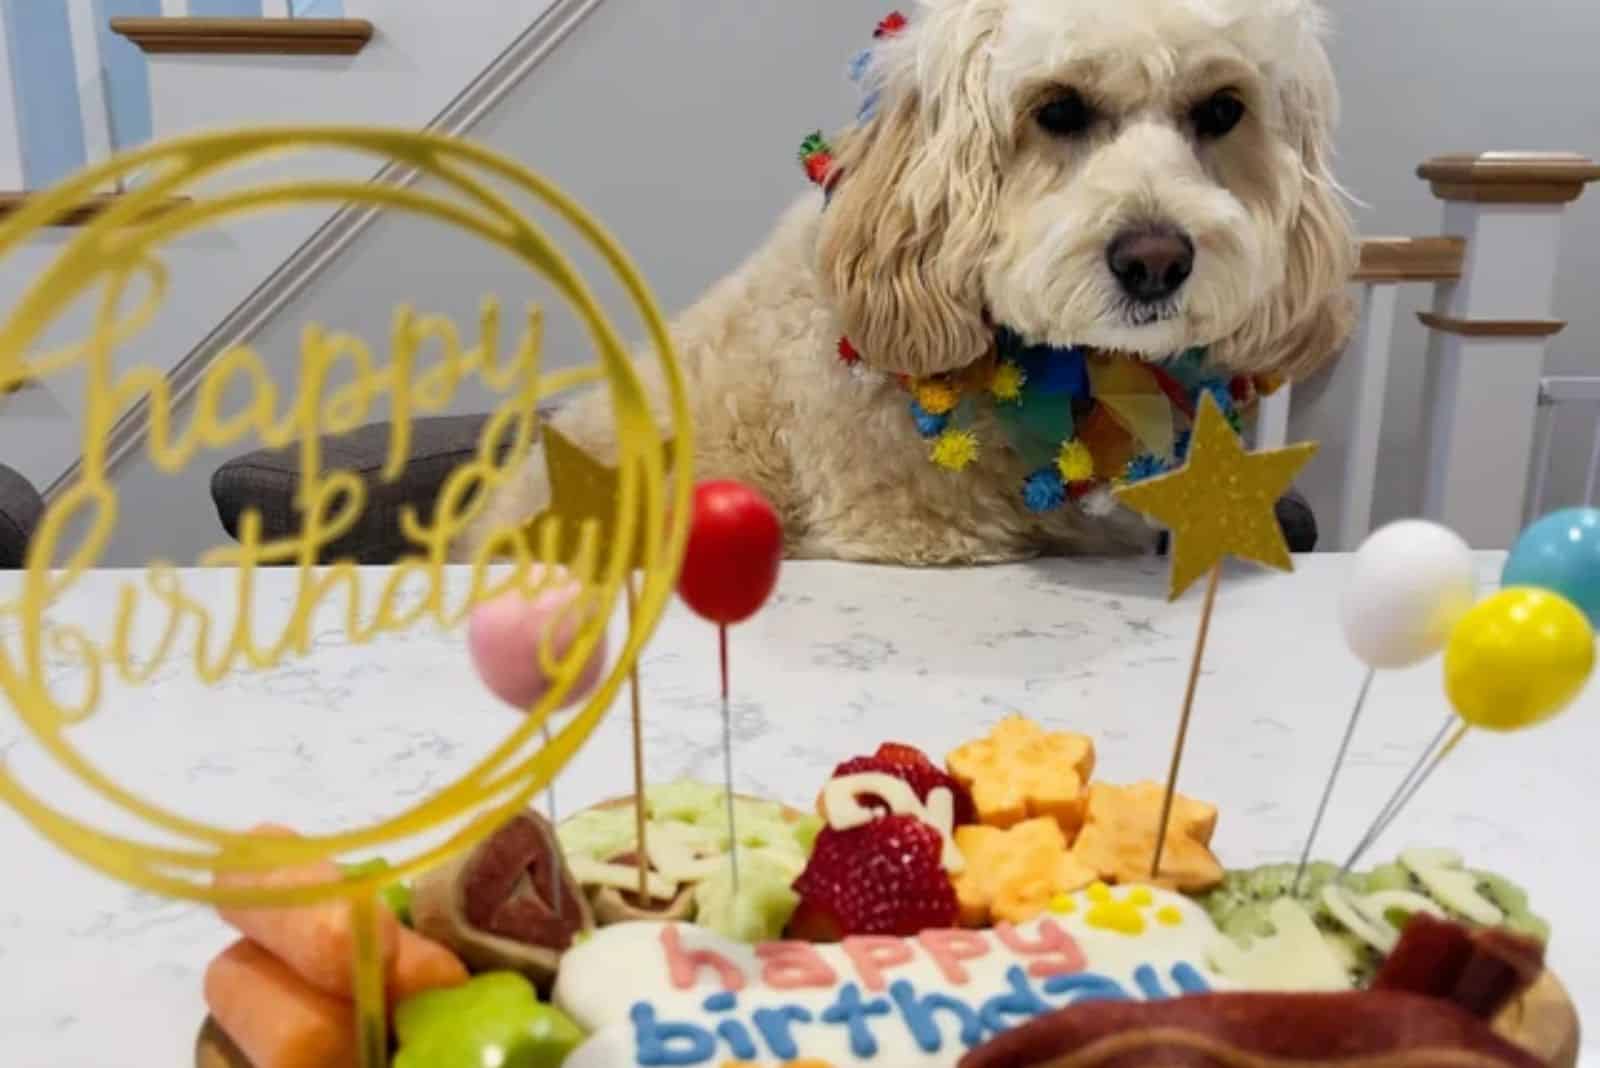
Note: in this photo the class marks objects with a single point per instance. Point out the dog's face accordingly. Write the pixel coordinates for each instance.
(1138, 175)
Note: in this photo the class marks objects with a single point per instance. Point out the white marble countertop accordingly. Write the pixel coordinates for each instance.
(95, 974)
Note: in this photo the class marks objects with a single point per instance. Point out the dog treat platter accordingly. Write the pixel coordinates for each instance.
(842, 653)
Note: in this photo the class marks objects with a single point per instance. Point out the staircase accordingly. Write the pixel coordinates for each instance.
(406, 63)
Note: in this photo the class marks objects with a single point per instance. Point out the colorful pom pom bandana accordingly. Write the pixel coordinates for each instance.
(1080, 419)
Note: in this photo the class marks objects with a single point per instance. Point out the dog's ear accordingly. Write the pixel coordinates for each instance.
(908, 227)
(1308, 318)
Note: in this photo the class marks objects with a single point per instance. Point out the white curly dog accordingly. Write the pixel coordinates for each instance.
(1137, 176)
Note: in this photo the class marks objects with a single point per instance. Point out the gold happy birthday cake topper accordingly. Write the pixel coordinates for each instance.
(117, 253)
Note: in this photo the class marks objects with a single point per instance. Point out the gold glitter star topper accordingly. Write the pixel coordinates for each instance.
(1222, 502)
(582, 489)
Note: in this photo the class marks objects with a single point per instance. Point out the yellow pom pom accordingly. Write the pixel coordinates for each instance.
(936, 398)
(955, 449)
(1076, 462)
(1007, 382)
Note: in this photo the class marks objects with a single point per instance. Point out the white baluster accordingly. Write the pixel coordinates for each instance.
(10, 126)
(1489, 333)
(1369, 350)
(1272, 419)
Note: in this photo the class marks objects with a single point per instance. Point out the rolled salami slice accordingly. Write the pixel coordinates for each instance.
(495, 905)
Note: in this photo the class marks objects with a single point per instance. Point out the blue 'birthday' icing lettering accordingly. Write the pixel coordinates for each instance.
(1019, 1001)
(918, 1015)
(669, 1043)
(850, 1010)
(1085, 986)
(774, 1027)
(1149, 983)
(1188, 979)
(738, 1039)
(734, 1033)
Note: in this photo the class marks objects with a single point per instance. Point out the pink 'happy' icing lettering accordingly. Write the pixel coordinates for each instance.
(1057, 952)
(683, 966)
(793, 965)
(949, 947)
(871, 954)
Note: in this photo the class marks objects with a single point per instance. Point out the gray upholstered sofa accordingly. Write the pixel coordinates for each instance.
(20, 509)
(266, 480)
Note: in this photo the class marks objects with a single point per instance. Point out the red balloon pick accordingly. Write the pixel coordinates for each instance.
(735, 547)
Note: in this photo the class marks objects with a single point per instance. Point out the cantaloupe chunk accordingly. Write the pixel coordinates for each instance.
(1022, 770)
(1119, 835)
(1011, 874)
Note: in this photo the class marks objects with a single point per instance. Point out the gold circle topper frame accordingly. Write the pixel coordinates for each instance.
(114, 259)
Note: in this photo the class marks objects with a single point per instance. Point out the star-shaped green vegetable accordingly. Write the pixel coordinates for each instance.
(396, 895)
(493, 1021)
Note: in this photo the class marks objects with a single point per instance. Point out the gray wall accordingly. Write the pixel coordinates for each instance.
(677, 121)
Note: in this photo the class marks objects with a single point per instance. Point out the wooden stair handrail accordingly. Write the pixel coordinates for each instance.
(256, 36)
(1510, 177)
(1410, 259)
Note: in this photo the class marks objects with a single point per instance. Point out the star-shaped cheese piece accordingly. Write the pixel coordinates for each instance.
(1222, 501)
(1119, 836)
(583, 490)
(1022, 770)
(1014, 873)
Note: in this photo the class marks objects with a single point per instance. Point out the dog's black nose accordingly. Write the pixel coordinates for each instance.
(1151, 262)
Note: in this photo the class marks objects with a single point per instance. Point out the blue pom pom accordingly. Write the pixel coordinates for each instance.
(1043, 491)
(1220, 393)
(859, 65)
(1144, 466)
(928, 424)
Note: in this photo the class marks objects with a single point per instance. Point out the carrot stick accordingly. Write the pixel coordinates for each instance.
(276, 1018)
(421, 964)
(317, 941)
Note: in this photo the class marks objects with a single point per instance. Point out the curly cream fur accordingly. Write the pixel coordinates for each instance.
(955, 211)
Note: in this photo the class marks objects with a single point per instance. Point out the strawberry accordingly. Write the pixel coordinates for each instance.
(847, 352)
(912, 766)
(883, 877)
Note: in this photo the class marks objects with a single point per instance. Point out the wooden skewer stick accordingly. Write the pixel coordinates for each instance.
(639, 815)
(1183, 719)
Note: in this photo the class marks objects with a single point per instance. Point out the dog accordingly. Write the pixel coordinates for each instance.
(1142, 177)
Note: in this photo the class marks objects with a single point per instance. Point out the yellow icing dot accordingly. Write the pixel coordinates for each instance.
(955, 449)
(1169, 915)
(1099, 893)
(936, 398)
(1063, 904)
(1140, 895)
(1116, 916)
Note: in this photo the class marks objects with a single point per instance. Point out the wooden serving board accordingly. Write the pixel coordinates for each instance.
(1543, 1021)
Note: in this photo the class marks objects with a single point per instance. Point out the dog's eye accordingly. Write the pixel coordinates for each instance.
(1218, 114)
(1065, 115)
